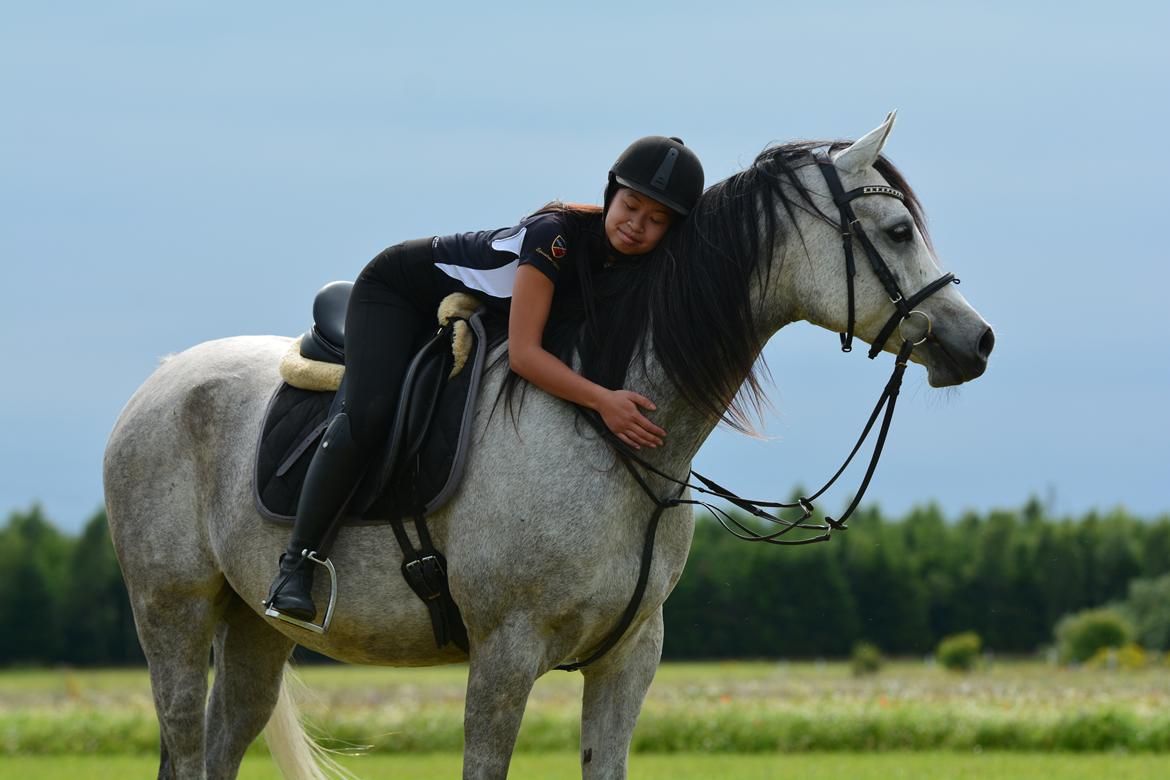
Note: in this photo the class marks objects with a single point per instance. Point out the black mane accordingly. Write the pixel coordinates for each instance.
(692, 294)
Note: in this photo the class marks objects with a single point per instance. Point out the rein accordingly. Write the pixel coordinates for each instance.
(904, 309)
(753, 506)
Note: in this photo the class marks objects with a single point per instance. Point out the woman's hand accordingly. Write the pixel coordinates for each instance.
(619, 409)
(532, 295)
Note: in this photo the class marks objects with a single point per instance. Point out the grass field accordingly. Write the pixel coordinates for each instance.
(757, 709)
(689, 766)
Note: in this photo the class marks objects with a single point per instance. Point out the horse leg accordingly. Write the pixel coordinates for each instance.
(175, 629)
(249, 662)
(503, 668)
(614, 689)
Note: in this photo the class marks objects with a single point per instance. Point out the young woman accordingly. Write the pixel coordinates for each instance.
(652, 186)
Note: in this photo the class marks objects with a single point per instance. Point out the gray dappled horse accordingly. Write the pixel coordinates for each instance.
(543, 538)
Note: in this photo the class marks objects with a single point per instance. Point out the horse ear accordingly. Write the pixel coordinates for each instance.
(865, 150)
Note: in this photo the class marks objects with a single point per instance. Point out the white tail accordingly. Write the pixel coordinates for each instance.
(296, 754)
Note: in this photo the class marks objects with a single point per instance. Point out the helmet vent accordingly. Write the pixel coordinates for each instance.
(662, 175)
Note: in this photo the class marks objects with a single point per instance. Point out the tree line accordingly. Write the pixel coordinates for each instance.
(901, 584)
(905, 584)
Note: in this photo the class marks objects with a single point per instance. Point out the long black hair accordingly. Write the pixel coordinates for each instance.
(692, 294)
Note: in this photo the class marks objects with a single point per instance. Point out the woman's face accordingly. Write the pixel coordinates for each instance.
(636, 223)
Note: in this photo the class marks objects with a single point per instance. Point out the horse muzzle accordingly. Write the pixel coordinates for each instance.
(952, 358)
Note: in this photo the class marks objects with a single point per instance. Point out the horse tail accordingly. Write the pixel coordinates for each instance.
(296, 753)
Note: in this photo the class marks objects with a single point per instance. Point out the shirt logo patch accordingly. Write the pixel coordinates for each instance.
(555, 263)
(559, 247)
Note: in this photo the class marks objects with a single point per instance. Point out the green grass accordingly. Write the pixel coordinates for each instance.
(727, 708)
(690, 766)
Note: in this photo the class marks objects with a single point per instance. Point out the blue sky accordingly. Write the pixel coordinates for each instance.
(177, 172)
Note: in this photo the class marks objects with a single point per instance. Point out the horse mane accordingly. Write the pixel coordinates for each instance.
(692, 295)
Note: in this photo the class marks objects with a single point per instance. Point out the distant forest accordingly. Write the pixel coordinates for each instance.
(901, 584)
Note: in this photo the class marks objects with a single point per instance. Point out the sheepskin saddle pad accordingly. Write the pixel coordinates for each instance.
(422, 461)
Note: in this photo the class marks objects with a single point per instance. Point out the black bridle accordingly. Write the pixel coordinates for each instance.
(851, 230)
(904, 309)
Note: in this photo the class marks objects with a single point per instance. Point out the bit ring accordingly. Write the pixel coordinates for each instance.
(925, 333)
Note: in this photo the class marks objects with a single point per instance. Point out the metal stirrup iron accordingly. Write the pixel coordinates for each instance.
(323, 626)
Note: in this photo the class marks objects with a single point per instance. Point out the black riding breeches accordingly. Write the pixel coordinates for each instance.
(392, 310)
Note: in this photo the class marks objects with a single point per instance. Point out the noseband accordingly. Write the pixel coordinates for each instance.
(851, 231)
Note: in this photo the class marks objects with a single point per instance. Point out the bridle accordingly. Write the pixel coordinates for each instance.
(904, 309)
(850, 230)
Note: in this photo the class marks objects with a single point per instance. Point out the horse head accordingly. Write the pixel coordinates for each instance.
(884, 230)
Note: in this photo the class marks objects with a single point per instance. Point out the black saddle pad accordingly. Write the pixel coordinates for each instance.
(393, 486)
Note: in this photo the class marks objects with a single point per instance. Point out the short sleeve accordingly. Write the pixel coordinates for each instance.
(546, 244)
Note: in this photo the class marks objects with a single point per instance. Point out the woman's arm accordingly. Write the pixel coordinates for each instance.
(532, 295)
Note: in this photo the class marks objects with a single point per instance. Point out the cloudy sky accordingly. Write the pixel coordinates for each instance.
(172, 173)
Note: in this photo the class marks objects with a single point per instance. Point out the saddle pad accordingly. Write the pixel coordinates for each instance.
(296, 418)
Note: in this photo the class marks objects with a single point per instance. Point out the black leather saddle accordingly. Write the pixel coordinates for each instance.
(422, 461)
(325, 341)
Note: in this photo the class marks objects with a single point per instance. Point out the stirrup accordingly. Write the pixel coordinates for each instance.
(314, 627)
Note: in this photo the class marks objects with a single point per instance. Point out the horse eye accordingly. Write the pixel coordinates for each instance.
(900, 234)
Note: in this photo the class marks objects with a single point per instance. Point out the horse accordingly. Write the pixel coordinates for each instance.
(544, 535)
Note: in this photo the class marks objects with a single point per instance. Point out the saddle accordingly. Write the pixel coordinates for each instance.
(422, 461)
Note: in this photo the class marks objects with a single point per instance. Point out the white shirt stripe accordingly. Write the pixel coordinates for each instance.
(497, 282)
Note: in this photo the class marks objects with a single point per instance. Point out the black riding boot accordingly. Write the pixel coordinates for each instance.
(333, 473)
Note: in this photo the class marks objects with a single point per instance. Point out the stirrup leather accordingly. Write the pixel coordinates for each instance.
(305, 624)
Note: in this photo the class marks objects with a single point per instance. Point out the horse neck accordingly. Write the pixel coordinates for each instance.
(686, 427)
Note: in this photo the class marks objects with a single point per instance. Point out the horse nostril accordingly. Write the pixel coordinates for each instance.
(986, 344)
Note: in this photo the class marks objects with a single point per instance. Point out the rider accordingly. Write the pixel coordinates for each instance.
(652, 186)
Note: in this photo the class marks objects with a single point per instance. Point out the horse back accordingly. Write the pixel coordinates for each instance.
(178, 449)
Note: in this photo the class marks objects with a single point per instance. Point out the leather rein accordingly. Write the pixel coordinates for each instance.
(904, 310)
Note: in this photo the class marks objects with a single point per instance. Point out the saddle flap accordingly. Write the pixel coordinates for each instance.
(424, 398)
(424, 380)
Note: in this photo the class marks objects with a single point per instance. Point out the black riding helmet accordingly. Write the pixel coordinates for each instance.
(661, 168)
